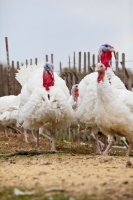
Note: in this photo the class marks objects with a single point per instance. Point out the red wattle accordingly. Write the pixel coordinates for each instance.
(100, 76)
(105, 57)
(76, 95)
(106, 64)
(48, 80)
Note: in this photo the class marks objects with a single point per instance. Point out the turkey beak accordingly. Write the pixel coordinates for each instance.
(113, 50)
(51, 72)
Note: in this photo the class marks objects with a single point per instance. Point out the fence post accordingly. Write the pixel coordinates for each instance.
(52, 58)
(69, 63)
(117, 63)
(93, 62)
(73, 79)
(123, 67)
(6, 82)
(60, 69)
(13, 78)
(30, 61)
(98, 59)
(129, 84)
(46, 58)
(89, 68)
(79, 66)
(69, 82)
(74, 65)
(18, 86)
(26, 62)
(1, 80)
(84, 63)
(36, 61)
(8, 64)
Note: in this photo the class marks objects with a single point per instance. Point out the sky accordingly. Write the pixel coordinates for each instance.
(38, 27)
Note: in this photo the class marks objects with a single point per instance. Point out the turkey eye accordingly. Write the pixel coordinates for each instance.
(101, 66)
(106, 45)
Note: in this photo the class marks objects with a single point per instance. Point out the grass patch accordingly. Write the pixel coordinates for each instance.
(75, 148)
(8, 194)
(3, 151)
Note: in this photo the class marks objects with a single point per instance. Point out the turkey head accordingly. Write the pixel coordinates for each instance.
(105, 54)
(100, 68)
(48, 76)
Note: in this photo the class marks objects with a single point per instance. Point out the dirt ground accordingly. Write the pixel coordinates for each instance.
(73, 173)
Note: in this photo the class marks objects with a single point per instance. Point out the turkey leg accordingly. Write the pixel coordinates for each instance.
(108, 148)
(129, 149)
(34, 138)
(37, 135)
(5, 132)
(97, 142)
(52, 141)
(25, 136)
(123, 139)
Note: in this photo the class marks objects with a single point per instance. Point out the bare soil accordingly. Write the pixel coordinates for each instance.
(73, 173)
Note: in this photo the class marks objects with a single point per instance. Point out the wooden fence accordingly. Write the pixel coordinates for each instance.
(71, 74)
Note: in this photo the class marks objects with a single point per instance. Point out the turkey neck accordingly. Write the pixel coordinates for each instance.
(75, 95)
(104, 90)
(100, 76)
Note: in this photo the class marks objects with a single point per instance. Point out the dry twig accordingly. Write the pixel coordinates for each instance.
(31, 153)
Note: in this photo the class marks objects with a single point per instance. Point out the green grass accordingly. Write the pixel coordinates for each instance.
(2, 151)
(8, 194)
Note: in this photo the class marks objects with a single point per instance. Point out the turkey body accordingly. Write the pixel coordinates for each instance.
(110, 111)
(40, 106)
(5, 102)
(88, 98)
(9, 110)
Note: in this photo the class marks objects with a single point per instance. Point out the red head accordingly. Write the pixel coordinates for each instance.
(75, 92)
(100, 68)
(105, 54)
(48, 76)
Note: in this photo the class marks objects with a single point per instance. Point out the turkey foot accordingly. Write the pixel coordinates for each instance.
(25, 136)
(105, 153)
(51, 140)
(34, 138)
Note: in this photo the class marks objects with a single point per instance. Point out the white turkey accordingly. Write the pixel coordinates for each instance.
(8, 111)
(44, 99)
(110, 110)
(9, 106)
(76, 128)
(73, 99)
(88, 95)
(4, 103)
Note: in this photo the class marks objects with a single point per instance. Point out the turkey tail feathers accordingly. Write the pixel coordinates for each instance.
(24, 73)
